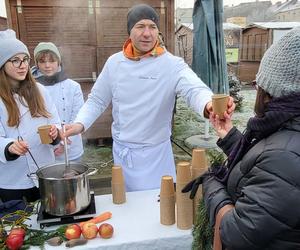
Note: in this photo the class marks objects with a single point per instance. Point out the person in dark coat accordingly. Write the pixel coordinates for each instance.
(260, 182)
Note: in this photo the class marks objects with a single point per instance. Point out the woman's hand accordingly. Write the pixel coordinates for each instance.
(18, 148)
(221, 126)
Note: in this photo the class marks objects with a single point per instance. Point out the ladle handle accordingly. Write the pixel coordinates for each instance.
(65, 147)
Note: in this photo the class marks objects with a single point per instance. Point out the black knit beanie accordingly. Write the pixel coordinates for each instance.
(139, 12)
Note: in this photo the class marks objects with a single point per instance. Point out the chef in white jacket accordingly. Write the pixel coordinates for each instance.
(142, 82)
(24, 106)
(65, 93)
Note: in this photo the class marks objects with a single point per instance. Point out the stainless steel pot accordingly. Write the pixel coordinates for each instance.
(64, 196)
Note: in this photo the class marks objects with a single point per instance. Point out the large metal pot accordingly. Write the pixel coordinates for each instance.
(64, 196)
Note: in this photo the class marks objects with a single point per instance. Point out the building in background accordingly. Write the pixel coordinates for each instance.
(287, 12)
(183, 16)
(252, 11)
(238, 20)
(256, 38)
(184, 41)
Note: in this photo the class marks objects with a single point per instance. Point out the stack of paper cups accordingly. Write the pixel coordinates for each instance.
(183, 201)
(167, 201)
(117, 185)
(199, 166)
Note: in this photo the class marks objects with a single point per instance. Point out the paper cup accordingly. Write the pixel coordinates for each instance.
(118, 193)
(167, 210)
(183, 172)
(219, 104)
(199, 160)
(167, 186)
(44, 134)
(117, 174)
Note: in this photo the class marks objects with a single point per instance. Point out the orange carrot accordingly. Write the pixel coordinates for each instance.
(101, 217)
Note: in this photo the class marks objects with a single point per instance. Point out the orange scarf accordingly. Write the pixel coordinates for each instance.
(132, 53)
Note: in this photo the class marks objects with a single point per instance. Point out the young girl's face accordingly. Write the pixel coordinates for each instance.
(17, 67)
(48, 64)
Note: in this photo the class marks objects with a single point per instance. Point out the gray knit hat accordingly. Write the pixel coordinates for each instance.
(46, 46)
(279, 71)
(10, 46)
(139, 12)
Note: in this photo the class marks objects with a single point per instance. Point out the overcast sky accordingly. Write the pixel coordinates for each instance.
(179, 3)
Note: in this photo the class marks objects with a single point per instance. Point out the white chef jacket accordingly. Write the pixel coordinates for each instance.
(14, 173)
(68, 98)
(143, 95)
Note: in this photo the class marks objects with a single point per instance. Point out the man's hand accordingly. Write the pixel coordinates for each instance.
(230, 108)
(72, 129)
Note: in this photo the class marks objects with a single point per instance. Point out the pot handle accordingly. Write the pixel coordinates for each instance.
(32, 176)
(92, 171)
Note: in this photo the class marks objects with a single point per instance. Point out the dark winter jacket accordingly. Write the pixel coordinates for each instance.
(265, 189)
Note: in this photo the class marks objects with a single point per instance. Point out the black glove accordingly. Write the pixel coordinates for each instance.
(215, 197)
(194, 184)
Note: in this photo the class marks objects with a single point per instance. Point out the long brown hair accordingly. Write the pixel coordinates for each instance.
(262, 98)
(27, 91)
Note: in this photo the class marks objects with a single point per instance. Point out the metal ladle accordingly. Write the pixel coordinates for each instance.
(68, 172)
(20, 138)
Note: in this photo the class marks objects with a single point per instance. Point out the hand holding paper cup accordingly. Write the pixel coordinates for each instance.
(44, 132)
(219, 104)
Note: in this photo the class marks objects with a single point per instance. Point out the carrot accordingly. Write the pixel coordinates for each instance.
(101, 217)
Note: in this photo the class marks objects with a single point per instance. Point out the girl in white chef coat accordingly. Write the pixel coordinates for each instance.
(65, 93)
(24, 106)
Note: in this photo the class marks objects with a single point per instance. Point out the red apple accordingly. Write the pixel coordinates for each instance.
(73, 232)
(89, 230)
(18, 231)
(106, 230)
(14, 241)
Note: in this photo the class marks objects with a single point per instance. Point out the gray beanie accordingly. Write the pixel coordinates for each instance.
(46, 46)
(10, 46)
(279, 70)
(139, 12)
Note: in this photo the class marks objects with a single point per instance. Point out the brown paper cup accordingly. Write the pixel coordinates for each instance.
(184, 208)
(44, 134)
(167, 186)
(117, 174)
(219, 104)
(118, 193)
(199, 160)
(167, 210)
(183, 172)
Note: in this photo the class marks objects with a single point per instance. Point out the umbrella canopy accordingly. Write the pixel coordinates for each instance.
(209, 61)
